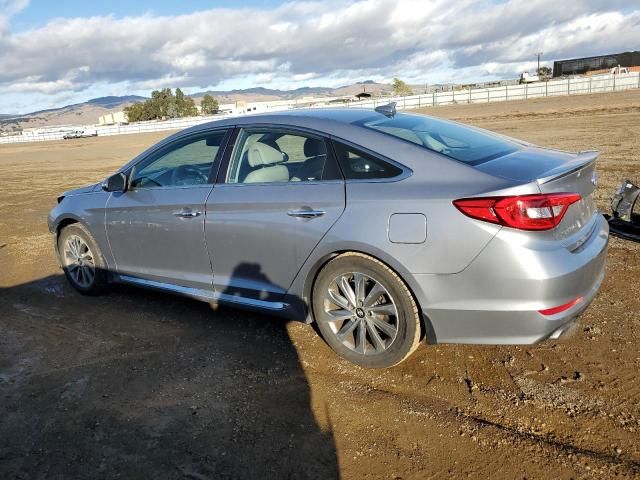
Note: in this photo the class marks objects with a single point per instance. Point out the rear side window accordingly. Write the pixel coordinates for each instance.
(454, 140)
(358, 165)
(277, 156)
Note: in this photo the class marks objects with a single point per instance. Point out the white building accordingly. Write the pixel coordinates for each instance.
(113, 118)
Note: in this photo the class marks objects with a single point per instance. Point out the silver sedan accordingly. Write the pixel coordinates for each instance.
(384, 228)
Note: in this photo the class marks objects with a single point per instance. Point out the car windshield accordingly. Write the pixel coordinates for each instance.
(454, 140)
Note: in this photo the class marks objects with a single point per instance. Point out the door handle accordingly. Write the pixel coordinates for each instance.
(306, 213)
(187, 213)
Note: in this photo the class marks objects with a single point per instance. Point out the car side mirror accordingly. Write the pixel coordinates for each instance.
(115, 183)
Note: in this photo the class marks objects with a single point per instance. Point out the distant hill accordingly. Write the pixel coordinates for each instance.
(104, 102)
(87, 113)
(111, 102)
(261, 94)
(76, 114)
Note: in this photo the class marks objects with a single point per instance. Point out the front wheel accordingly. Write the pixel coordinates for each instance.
(81, 260)
(365, 312)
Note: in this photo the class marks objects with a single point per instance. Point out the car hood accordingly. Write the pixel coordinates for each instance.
(81, 190)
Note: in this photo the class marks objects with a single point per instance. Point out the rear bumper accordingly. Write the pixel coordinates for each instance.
(497, 299)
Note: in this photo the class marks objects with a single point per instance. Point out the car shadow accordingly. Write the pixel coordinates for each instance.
(140, 384)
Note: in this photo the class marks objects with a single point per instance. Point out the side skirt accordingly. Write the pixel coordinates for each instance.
(206, 295)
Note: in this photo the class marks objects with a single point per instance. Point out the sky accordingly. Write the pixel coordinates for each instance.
(58, 53)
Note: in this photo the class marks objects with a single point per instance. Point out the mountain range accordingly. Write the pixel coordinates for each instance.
(87, 113)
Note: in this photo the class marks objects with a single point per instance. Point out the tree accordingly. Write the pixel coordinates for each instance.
(185, 105)
(545, 72)
(179, 99)
(401, 88)
(162, 104)
(209, 105)
(189, 108)
(135, 112)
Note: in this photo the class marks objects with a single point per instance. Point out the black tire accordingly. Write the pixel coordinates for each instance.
(406, 317)
(98, 283)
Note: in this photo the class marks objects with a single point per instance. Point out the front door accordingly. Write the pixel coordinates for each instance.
(282, 192)
(156, 228)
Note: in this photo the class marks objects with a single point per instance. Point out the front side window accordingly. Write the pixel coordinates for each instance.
(462, 143)
(184, 163)
(274, 156)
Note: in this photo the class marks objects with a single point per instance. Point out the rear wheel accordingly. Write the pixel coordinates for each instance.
(365, 312)
(81, 260)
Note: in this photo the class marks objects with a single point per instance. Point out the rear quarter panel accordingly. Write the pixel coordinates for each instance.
(452, 240)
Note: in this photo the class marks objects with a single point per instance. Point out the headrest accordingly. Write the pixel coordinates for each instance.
(314, 147)
(260, 154)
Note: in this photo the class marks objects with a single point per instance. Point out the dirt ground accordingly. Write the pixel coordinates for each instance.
(135, 384)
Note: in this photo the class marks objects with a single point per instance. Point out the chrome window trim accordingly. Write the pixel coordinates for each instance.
(282, 184)
(170, 187)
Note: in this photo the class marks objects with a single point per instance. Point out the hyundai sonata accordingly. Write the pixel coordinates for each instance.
(384, 228)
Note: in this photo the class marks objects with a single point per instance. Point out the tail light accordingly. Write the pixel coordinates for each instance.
(524, 212)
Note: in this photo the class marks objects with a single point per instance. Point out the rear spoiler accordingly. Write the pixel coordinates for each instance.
(581, 160)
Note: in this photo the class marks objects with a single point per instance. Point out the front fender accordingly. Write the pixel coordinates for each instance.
(87, 209)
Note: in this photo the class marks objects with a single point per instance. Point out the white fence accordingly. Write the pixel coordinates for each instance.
(566, 86)
(138, 127)
(560, 87)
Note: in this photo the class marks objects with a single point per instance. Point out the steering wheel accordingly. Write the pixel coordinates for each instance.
(182, 174)
(140, 181)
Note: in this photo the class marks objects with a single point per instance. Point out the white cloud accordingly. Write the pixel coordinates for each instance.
(308, 42)
(9, 8)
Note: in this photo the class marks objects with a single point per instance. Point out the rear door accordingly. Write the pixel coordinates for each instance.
(156, 228)
(278, 195)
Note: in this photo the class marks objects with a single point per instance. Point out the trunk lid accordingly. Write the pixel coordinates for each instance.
(555, 171)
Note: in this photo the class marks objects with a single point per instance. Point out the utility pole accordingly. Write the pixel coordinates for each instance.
(539, 54)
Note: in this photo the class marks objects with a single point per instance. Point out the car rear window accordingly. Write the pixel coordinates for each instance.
(462, 143)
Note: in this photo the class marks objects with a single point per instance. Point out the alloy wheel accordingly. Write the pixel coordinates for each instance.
(361, 313)
(79, 261)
